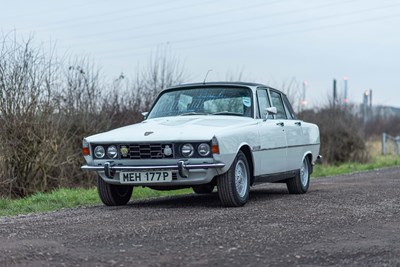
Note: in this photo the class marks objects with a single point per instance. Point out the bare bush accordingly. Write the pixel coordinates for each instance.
(26, 110)
(341, 134)
(379, 124)
(48, 106)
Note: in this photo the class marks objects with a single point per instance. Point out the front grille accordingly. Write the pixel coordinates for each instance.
(148, 151)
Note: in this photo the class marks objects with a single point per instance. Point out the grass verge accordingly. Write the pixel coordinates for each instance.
(376, 163)
(69, 198)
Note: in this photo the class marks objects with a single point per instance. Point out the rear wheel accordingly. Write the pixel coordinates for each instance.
(204, 188)
(234, 185)
(113, 195)
(300, 183)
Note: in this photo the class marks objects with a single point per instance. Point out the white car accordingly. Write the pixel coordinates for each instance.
(229, 135)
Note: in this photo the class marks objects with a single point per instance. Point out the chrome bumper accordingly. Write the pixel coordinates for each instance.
(183, 168)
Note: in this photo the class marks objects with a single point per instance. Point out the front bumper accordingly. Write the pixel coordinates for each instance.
(109, 168)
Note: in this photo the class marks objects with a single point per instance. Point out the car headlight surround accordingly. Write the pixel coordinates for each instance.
(99, 152)
(187, 150)
(112, 152)
(204, 149)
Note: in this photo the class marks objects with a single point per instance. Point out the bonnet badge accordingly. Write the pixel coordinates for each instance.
(148, 133)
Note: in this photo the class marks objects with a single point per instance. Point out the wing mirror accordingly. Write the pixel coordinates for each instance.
(144, 114)
(270, 111)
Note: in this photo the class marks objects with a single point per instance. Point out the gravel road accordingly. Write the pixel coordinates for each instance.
(351, 220)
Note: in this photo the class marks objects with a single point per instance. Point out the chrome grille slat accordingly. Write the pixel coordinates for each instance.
(147, 151)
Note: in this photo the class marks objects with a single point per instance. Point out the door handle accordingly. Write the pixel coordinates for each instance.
(298, 123)
(280, 124)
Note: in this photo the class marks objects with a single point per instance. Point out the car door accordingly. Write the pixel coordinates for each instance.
(271, 154)
(293, 130)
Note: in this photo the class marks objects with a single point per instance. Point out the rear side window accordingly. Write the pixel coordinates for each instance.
(278, 103)
(289, 109)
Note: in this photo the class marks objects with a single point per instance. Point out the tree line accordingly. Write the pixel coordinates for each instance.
(48, 104)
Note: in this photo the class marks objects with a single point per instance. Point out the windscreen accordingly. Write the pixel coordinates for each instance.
(233, 101)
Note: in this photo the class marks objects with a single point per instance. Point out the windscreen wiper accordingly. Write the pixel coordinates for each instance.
(193, 113)
(227, 113)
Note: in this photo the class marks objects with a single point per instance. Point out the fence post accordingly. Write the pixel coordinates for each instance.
(397, 140)
(384, 144)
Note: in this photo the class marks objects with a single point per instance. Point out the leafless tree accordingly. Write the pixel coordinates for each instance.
(163, 70)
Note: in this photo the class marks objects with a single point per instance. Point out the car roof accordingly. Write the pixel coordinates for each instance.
(230, 84)
(217, 83)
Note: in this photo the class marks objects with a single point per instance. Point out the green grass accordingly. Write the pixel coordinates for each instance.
(69, 198)
(375, 163)
(58, 199)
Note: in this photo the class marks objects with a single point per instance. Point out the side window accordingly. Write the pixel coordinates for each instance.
(289, 109)
(263, 102)
(277, 102)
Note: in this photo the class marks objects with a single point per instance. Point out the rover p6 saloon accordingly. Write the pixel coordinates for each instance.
(226, 135)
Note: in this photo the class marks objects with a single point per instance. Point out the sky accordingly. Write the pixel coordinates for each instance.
(274, 42)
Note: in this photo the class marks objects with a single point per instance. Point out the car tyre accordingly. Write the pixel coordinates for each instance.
(113, 195)
(234, 185)
(300, 183)
(204, 188)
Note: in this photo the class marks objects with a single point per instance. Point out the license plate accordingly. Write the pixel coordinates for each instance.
(145, 177)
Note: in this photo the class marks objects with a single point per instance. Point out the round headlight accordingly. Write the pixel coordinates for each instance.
(112, 152)
(187, 150)
(203, 149)
(99, 152)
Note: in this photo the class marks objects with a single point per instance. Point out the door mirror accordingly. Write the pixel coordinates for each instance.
(270, 111)
(144, 114)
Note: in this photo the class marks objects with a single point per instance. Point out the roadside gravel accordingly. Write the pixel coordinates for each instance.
(351, 220)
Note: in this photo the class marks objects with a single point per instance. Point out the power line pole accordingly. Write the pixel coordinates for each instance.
(303, 101)
(334, 93)
(365, 106)
(345, 99)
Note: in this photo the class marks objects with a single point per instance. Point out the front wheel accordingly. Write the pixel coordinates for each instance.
(113, 195)
(234, 185)
(300, 183)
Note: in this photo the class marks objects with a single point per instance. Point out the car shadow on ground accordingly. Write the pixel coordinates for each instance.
(207, 200)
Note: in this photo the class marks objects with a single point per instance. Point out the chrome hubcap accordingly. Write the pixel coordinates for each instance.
(304, 174)
(241, 178)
